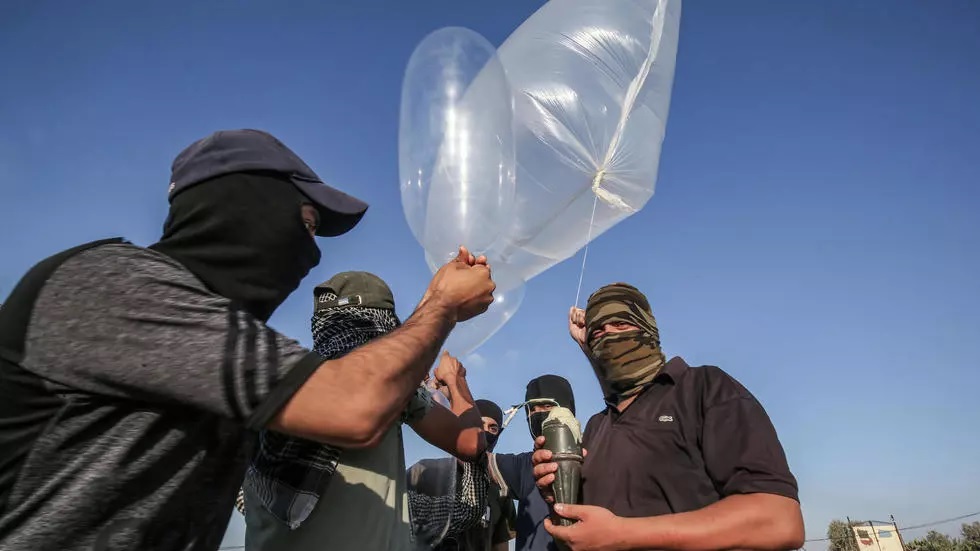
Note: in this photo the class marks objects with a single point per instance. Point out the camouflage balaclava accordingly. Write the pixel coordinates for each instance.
(628, 361)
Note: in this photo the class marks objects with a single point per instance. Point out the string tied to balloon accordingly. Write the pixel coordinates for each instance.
(629, 102)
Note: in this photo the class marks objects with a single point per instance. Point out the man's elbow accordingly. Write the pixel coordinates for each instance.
(366, 429)
(471, 447)
(787, 529)
(792, 539)
(797, 535)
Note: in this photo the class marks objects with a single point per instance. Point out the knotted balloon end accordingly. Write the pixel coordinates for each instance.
(607, 196)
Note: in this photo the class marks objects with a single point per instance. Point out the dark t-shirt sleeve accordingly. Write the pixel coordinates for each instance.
(513, 473)
(128, 323)
(742, 452)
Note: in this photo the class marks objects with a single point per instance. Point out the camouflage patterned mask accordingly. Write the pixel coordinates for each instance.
(626, 362)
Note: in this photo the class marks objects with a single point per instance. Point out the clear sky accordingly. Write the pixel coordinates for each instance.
(814, 230)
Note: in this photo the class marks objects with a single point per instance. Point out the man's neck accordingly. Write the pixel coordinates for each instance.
(621, 406)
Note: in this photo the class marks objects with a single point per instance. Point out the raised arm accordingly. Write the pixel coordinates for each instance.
(459, 429)
(351, 401)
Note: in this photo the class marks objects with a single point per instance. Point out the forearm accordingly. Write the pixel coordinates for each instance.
(752, 521)
(470, 442)
(351, 401)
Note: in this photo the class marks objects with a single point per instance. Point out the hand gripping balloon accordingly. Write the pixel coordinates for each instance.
(563, 437)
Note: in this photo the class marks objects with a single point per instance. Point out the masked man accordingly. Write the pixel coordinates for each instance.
(131, 378)
(682, 458)
(302, 495)
(494, 529)
(514, 472)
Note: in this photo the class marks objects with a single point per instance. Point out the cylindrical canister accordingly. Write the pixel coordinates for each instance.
(563, 438)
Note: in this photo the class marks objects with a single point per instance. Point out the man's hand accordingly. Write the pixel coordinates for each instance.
(458, 429)
(449, 371)
(597, 529)
(576, 325)
(544, 469)
(467, 257)
(464, 285)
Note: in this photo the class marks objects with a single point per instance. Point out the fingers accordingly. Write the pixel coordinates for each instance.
(545, 482)
(466, 257)
(542, 458)
(571, 511)
(462, 256)
(539, 444)
(557, 532)
(544, 488)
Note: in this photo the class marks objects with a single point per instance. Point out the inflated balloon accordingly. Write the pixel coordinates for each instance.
(469, 335)
(456, 144)
(592, 83)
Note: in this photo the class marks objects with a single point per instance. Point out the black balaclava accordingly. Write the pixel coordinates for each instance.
(491, 410)
(243, 235)
(546, 388)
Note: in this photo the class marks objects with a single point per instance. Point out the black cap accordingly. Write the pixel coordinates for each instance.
(551, 387)
(230, 151)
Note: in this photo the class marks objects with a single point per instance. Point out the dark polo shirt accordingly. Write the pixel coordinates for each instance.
(692, 438)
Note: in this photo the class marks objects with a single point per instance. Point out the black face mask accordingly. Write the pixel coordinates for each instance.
(243, 236)
(549, 389)
(491, 440)
(534, 422)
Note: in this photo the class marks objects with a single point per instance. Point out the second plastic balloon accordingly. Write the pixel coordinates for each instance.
(456, 144)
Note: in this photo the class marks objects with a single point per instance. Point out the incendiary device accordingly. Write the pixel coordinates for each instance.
(563, 437)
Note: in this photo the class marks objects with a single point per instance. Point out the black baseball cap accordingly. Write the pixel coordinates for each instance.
(247, 150)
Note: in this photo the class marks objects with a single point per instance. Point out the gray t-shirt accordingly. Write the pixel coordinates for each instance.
(159, 385)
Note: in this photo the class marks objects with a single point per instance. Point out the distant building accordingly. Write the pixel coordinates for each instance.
(877, 536)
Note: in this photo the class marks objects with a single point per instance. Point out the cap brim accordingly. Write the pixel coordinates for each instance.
(339, 212)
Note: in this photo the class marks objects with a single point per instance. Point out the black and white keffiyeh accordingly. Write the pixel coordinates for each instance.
(288, 473)
(439, 516)
(337, 331)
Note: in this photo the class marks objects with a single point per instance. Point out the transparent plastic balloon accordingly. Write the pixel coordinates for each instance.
(456, 144)
(469, 335)
(592, 82)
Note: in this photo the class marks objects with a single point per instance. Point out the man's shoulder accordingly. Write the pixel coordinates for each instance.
(125, 272)
(594, 420)
(716, 385)
(125, 259)
(113, 284)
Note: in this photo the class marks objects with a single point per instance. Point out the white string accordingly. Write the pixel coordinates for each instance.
(585, 255)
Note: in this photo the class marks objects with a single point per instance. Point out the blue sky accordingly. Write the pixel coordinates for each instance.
(814, 229)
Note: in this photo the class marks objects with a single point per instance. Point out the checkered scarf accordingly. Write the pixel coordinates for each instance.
(436, 515)
(287, 473)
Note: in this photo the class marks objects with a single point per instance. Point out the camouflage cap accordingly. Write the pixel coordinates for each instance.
(353, 289)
